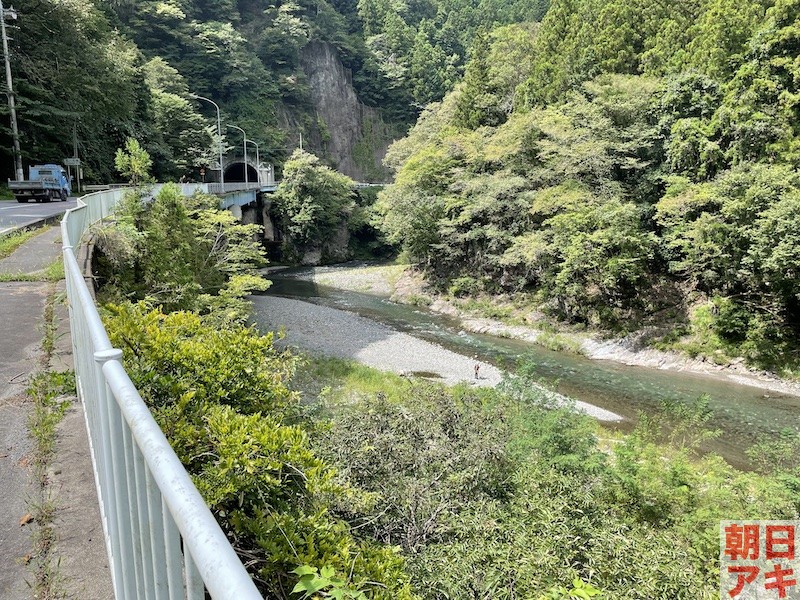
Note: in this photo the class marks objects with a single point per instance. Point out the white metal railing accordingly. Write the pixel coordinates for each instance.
(161, 538)
(236, 186)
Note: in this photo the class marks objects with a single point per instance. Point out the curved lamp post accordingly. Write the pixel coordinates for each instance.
(258, 162)
(244, 147)
(219, 135)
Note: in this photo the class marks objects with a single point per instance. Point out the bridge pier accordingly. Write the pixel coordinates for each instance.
(250, 213)
(269, 226)
(236, 211)
(256, 212)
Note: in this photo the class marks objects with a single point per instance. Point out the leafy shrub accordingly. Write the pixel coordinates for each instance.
(641, 521)
(464, 286)
(424, 460)
(183, 253)
(221, 396)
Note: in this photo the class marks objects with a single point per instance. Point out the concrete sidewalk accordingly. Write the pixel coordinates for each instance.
(79, 548)
(35, 254)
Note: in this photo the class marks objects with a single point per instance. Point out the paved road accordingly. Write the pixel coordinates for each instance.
(14, 215)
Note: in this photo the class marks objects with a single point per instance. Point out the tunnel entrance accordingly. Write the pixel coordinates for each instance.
(235, 173)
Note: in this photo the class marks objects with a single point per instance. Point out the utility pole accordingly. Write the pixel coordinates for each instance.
(78, 168)
(12, 14)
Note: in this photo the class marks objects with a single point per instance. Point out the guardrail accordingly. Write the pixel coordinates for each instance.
(161, 538)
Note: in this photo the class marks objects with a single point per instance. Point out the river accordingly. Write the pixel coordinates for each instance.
(744, 414)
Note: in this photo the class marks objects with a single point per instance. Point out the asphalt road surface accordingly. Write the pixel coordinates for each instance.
(14, 214)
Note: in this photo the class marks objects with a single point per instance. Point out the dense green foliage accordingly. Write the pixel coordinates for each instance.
(422, 46)
(638, 167)
(389, 488)
(313, 203)
(220, 392)
(179, 252)
(104, 71)
(510, 494)
(323, 216)
(221, 396)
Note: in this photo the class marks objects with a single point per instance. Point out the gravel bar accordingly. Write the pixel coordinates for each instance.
(338, 333)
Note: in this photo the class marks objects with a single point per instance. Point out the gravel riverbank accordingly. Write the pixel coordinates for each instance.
(403, 285)
(333, 332)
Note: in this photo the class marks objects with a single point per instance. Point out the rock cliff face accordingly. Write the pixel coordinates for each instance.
(350, 136)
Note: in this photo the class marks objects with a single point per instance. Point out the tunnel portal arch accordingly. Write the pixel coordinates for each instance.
(234, 172)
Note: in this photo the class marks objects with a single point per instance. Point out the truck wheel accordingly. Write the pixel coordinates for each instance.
(63, 195)
(22, 200)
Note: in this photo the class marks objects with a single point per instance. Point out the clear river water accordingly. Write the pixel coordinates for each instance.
(744, 414)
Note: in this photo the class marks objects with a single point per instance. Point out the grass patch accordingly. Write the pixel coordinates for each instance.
(52, 272)
(697, 339)
(341, 379)
(418, 300)
(6, 193)
(559, 343)
(52, 394)
(485, 307)
(11, 241)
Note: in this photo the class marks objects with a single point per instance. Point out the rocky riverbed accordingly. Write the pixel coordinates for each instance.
(403, 285)
(332, 332)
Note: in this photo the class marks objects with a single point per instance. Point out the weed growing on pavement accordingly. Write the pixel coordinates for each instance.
(52, 272)
(52, 393)
(10, 242)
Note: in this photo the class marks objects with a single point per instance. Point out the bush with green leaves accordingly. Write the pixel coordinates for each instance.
(507, 494)
(221, 396)
(180, 252)
(424, 459)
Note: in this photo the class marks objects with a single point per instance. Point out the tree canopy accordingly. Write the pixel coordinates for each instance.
(638, 167)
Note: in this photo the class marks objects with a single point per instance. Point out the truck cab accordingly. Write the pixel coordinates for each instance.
(44, 183)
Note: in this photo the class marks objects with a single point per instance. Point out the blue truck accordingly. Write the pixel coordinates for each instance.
(44, 183)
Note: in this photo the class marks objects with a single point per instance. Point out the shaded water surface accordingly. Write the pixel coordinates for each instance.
(743, 413)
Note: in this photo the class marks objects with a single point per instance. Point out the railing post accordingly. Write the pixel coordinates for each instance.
(106, 405)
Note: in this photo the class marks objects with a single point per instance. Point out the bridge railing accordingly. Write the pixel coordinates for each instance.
(161, 538)
(236, 186)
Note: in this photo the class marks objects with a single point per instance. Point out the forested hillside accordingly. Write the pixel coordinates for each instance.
(100, 71)
(625, 163)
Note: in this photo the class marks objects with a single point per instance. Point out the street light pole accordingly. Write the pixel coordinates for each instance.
(12, 14)
(219, 135)
(258, 162)
(244, 148)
